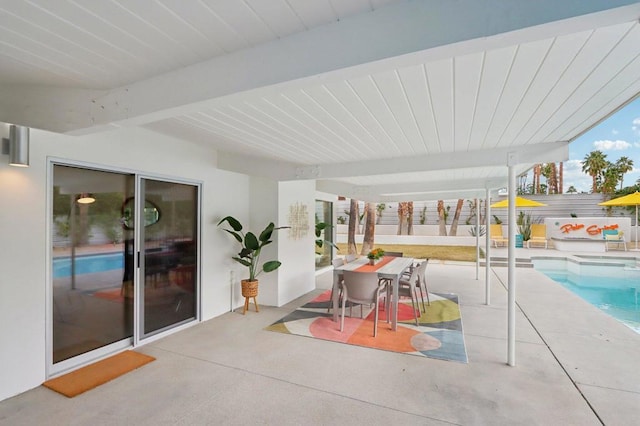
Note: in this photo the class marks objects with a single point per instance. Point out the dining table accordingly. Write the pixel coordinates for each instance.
(390, 268)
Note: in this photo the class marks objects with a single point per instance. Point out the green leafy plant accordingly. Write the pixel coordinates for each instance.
(110, 225)
(321, 226)
(472, 230)
(375, 254)
(380, 209)
(445, 214)
(341, 220)
(251, 246)
(360, 216)
(524, 222)
(497, 220)
(63, 226)
(423, 215)
(472, 212)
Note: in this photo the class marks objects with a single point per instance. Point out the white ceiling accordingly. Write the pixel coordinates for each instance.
(377, 99)
(111, 43)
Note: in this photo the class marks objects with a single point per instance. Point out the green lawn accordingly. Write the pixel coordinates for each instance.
(460, 253)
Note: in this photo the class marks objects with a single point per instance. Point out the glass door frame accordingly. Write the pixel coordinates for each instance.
(58, 368)
(138, 329)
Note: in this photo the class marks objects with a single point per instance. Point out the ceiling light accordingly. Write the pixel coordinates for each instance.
(85, 198)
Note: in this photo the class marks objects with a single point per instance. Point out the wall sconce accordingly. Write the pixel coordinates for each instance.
(17, 146)
(85, 198)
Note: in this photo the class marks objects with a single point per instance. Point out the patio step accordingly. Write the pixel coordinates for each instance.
(502, 262)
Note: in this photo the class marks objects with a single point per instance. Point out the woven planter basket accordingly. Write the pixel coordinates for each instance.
(249, 288)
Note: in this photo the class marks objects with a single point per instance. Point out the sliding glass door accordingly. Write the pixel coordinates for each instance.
(90, 286)
(168, 255)
(124, 261)
(324, 233)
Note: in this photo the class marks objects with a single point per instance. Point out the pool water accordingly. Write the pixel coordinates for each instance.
(88, 264)
(615, 289)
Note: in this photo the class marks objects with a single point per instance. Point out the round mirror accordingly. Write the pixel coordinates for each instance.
(151, 213)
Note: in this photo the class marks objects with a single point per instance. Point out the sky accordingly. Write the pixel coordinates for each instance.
(618, 136)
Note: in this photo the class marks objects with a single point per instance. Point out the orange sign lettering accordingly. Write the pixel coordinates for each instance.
(571, 227)
(591, 230)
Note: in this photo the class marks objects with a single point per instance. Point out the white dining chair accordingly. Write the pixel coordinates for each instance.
(408, 287)
(422, 283)
(350, 257)
(362, 288)
(337, 262)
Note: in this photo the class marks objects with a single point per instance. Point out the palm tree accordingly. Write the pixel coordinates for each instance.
(594, 165)
(624, 165)
(547, 171)
(610, 178)
(561, 178)
(353, 223)
(442, 218)
(369, 228)
(522, 183)
(571, 190)
(554, 178)
(402, 216)
(536, 178)
(410, 218)
(456, 217)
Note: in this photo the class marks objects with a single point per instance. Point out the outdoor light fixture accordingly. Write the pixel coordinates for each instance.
(85, 198)
(17, 146)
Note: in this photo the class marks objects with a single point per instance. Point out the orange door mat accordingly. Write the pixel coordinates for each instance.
(85, 378)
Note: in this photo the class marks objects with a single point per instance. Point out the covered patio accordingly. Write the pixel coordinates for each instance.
(269, 106)
(576, 365)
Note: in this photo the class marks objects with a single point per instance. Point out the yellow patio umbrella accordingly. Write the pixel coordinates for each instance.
(625, 200)
(520, 202)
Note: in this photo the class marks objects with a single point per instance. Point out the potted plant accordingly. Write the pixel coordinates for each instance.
(375, 255)
(249, 255)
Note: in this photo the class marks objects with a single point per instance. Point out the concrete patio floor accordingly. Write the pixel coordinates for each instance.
(575, 366)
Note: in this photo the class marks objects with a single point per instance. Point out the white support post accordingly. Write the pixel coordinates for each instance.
(511, 274)
(487, 250)
(477, 239)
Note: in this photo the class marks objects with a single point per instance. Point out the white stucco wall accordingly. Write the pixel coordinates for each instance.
(297, 273)
(270, 202)
(22, 281)
(220, 274)
(23, 232)
(263, 210)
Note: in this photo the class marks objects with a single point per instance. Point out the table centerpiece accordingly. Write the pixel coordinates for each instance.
(375, 255)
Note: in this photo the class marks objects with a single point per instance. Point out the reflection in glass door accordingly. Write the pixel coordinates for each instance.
(168, 251)
(92, 304)
(99, 288)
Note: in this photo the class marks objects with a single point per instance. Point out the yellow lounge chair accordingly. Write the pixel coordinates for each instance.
(614, 238)
(496, 235)
(538, 235)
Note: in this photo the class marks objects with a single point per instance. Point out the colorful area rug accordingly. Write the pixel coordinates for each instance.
(85, 378)
(114, 294)
(438, 335)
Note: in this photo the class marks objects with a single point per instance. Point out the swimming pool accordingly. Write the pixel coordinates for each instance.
(610, 284)
(87, 264)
